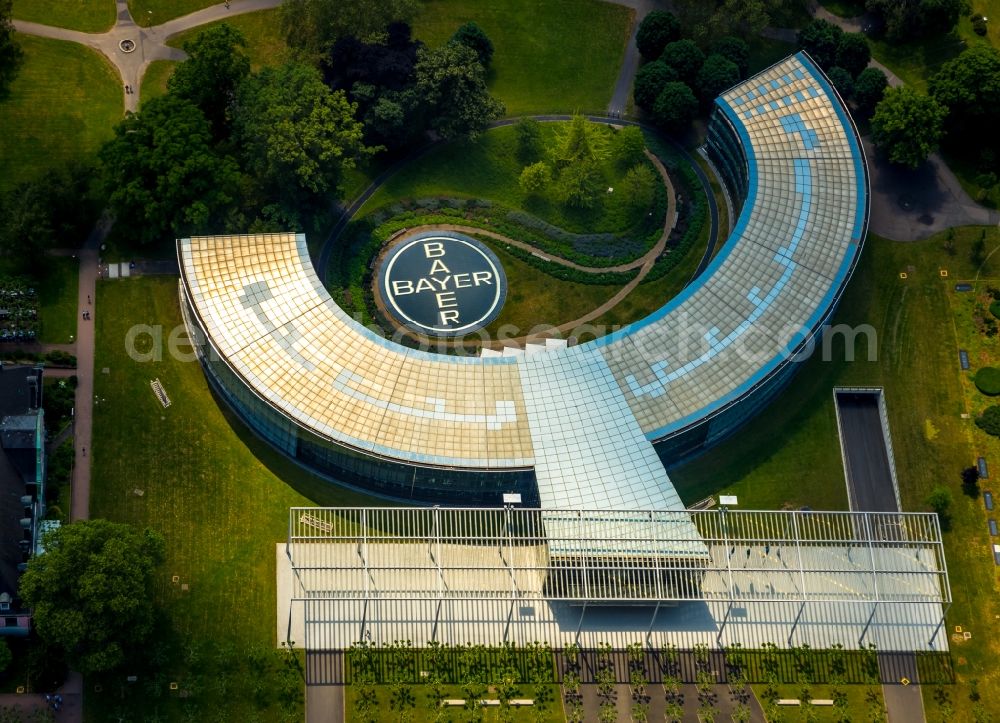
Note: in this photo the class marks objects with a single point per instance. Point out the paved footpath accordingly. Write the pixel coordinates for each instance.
(150, 42)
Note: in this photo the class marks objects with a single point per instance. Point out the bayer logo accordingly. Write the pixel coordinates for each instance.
(442, 285)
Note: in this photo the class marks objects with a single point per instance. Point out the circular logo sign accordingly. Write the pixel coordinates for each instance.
(442, 284)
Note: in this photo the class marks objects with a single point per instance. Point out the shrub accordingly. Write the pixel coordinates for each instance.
(842, 81)
(656, 30)
(472, 36)
(979, 24)
(988, 381)
(939, 500)
(853, 53)
(649, 83)
(869, 87)
(736, 50)
(535, 178)
(995, 309)
(989, 420)
(685, 57)
(675, 107)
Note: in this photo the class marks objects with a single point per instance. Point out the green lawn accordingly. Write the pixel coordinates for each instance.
(554, 56)
(63, 106)
(858, 709)
(155, 12)
(265, 42)
(57, 299)
(154, 82)
(844, 8)
(90, 16)
(489, 168)
(790, 453)
(218, 494)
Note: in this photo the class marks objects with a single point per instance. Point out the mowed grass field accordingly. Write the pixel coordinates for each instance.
(554, 56)
(265, 42)
(789, 455)
(155, 12)
(154, 81)
(62, 108)
(57, 292)
(218, 495)
(90, 16)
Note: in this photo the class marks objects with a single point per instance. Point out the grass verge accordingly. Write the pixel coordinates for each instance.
(265, 41)
(89, 16)
(554, 56)
(62, 108)
(57, 299)
(218, 495)
(154, 82)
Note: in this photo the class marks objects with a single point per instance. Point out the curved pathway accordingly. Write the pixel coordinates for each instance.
(652, 254)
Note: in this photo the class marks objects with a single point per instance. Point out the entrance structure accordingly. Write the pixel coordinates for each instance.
(717, 577)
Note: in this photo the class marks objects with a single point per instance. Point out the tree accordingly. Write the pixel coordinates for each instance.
(11, 55)
(529, 140)
(649, 83)
(675, 107)
(907, 126)
(869, 87)
(535, 178)
(842, 81)
(629, 146)
(638, 188)
(161, 174)
(969, 87)
(853, 53)
(91, 592)
(52, 210)
(684, 57)
(657, 29)
(472, 36)
(297, 135)
(989, 420)
(452, 83)
(939, 500)
(970, 481)
(821, 39)
(314, 25)
(736, 50)
(719, 18)
(216, 66)
(717, 74)
(581, 183)
(906, 21)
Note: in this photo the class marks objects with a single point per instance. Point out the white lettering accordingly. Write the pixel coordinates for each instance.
(459, 278)
(446, 300)
(438, 265)
(433, 249)
(443, 283)
(447, 317)
(402, 288)
(482, 277)
(424, 285)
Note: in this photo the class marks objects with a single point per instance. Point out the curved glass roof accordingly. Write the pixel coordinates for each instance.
(582, 416)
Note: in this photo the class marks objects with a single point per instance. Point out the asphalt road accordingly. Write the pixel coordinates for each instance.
(869, 480)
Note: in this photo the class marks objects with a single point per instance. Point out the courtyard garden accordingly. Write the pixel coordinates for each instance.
(523, 182)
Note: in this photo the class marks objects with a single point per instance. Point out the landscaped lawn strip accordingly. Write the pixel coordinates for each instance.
(426, 710)
(790, 455)
(219, 495)
(154, 80)
(90, 16)
(57, 299)
(265, 40)
(155, 12)
(62, 106)
(554, 56)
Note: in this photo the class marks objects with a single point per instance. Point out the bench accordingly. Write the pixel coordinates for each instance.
(822, 701)
(788, 701)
